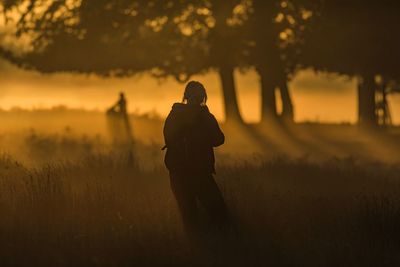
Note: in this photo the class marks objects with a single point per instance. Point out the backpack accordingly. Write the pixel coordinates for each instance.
(182, 151)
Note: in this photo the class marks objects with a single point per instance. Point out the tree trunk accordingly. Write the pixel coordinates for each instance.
(287, 105)
(268, 99)
(366, 101)
(232, 112)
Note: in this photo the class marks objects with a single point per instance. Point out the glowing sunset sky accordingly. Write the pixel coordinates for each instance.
(322, 97)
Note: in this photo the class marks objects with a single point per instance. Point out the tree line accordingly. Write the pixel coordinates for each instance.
(182, 38)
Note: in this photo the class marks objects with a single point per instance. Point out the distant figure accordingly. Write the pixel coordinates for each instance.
(120, 106)
(190, 133)
(118, 121)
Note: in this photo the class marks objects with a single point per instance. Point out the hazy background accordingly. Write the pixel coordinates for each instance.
(318, 97)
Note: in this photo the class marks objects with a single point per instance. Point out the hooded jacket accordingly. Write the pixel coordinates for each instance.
(190, 134)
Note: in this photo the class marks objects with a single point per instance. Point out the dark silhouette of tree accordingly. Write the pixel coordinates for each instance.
(275, 36)
(266, 53)
(356, 38)
(223, 52)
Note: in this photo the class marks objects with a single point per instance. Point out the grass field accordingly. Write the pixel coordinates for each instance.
(104, 210)
(70, 199)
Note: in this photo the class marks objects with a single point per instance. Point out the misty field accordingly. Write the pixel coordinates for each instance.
(104, 210)
(72, 199)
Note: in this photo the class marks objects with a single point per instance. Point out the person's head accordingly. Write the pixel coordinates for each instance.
(121, 95)
(195, 94)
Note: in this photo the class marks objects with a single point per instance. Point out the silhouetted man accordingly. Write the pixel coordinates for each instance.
(190, 133)
(120, 106)
(118, 115)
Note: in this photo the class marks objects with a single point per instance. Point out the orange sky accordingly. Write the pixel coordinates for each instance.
(322, 97)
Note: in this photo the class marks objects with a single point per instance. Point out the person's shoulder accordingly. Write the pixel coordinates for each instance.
(205, 109)
(177, 108)
(178, 105)
(207, 113)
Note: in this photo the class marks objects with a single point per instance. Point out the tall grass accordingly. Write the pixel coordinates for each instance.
(106, 210)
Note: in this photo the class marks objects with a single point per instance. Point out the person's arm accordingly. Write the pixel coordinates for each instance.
(216, 135)
(171, 129)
